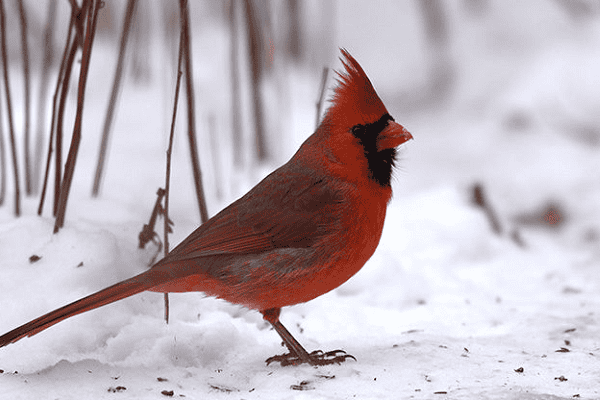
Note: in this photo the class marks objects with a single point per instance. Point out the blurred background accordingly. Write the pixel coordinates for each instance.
(500, 95)
(491, 242)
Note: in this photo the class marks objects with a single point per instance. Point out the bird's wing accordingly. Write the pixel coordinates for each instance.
(298, 210)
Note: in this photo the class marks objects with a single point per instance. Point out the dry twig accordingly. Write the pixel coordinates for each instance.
(189, 84)
(25, 50)
(321, 95)
(113, 97)
(91, 12)
(42, 96)
(13, 145)
(64, 74)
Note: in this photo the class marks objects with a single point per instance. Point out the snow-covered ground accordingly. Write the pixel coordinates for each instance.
(445, 309)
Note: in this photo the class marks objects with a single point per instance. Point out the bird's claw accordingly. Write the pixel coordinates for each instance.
(317, 357)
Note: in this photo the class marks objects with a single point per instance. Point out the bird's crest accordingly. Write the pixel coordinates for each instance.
(354, 99)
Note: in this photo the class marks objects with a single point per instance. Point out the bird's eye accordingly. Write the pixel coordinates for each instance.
(358, 130)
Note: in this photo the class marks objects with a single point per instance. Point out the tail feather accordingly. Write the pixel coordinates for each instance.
(129, 287)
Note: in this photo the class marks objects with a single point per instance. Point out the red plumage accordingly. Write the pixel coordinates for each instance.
(302, 231)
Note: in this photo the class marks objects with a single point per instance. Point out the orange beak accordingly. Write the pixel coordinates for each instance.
(392, 136)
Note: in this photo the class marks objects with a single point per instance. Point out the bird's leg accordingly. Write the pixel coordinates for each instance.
(298, 354)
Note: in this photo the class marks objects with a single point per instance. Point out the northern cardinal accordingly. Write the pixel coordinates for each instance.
(302, 231)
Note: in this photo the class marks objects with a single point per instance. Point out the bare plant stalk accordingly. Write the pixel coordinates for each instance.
(25, 50)
(2, 163)
(321, 95)
(295, 38)
(59, 83)
(91, 12)
(189, 84)
(480, 200)
(11, 132)
(147, 233)
(79, 16)
(236, 104)
(168, 172)
(113, 97)
(59, 123)
(254, 33)
(437, 35)
(43, 94)
(213, 141)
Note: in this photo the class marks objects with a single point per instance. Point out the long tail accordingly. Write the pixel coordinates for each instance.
(121, 290)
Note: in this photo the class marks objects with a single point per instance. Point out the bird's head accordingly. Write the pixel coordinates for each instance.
(357, 134)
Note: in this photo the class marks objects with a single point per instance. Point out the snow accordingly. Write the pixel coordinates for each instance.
(445, 309)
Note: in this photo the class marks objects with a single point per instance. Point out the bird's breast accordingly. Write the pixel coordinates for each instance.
(335, 258)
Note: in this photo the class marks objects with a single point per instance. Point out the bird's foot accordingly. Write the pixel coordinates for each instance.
(317, 357)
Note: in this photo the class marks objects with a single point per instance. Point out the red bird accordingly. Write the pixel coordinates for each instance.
(302, 231)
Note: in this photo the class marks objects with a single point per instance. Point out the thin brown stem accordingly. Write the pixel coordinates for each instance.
(91, 12)
(253, 28)
(2, 164)
(213, 141)
(113, 97)
(27, 96)
(189, 79)
(170, 148)
(168, 168)
(77, 21)
(147, 233)
(53, 128)
(480, 199)
(236, 103)
(321, 95)
(43, 94)
(59, 123)
(11, 132)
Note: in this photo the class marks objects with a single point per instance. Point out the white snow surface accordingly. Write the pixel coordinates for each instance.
(445, 309)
